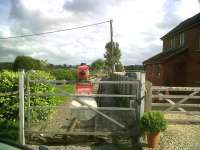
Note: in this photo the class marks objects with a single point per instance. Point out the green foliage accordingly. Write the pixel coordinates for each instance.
(112, 55)
(64, 74)
(42, 113)
(153, 122)
(64, 66)
(8, 104)
(6, 65)
(134, 68)
(28, 63)
(98, 64)
(9, 130)
(119, 67)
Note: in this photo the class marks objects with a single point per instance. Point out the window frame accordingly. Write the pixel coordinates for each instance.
(182, 39)
(173, 42)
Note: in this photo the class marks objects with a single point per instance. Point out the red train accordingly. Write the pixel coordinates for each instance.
(83, 85)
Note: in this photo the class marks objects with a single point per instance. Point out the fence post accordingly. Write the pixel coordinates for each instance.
(28, 99)
(148, 96)
(142, 94)
(21, 107)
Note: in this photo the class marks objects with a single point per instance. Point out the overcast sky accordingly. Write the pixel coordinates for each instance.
(137, 24)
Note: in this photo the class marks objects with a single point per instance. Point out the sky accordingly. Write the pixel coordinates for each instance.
(137, 27)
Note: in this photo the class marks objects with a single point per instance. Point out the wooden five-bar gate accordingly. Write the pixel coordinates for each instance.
(174, 100)
(114, 121)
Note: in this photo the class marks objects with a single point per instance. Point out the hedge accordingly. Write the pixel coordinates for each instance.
(10, 104)
(64, 74)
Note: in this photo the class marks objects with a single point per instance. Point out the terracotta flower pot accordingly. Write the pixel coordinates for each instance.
(153, 139)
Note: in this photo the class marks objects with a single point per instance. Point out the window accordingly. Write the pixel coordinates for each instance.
(173, 42)
(182, 39)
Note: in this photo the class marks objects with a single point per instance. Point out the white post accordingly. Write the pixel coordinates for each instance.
(142, 94)
(21, 107)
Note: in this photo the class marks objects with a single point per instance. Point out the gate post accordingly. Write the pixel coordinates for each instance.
(21, 107)
(148, 96)
(28, 98)
(142, 94)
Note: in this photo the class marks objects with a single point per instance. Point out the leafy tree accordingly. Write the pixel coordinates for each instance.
(27, 63)
(112, 55)
(98, 64)
(119, 67)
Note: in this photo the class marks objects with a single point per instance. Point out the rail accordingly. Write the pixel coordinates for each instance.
(182, 100)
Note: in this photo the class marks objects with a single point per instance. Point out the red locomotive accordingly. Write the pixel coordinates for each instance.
(83, 85)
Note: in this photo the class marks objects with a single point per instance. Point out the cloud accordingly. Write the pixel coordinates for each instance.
(170, 17)
(9, 53)
(90, 6)
(176, 11)
(138, 26)
(25, 21)
(79, 6)
(136, 55)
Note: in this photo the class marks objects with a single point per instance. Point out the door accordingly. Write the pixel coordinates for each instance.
(179, 74)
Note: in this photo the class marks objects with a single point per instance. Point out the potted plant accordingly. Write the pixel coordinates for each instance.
(152, 123)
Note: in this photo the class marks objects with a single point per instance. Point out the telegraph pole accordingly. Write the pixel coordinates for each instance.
(111, 40)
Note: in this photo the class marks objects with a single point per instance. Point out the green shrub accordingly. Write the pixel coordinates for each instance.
(10, 104)
(153, 122)
(9, 130)
(64, 74)
(41, 113)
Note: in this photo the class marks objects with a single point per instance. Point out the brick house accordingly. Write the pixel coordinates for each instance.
(179, 62)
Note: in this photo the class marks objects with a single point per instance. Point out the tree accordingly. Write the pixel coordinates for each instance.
(119, 67)
(112, 55)
(98, 64)
(27, 63)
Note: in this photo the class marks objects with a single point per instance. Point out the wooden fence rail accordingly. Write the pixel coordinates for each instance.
(172, 99)
(9, 93)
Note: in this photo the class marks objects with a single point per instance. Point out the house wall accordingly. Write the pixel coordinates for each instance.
(193, 39)
(190, 60)
(153, 74)
(173, 75)
(194, 68)
(167, 76)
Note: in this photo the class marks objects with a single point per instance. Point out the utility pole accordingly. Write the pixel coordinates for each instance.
(111, 40)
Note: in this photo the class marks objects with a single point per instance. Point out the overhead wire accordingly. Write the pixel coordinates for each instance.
(51, 32)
